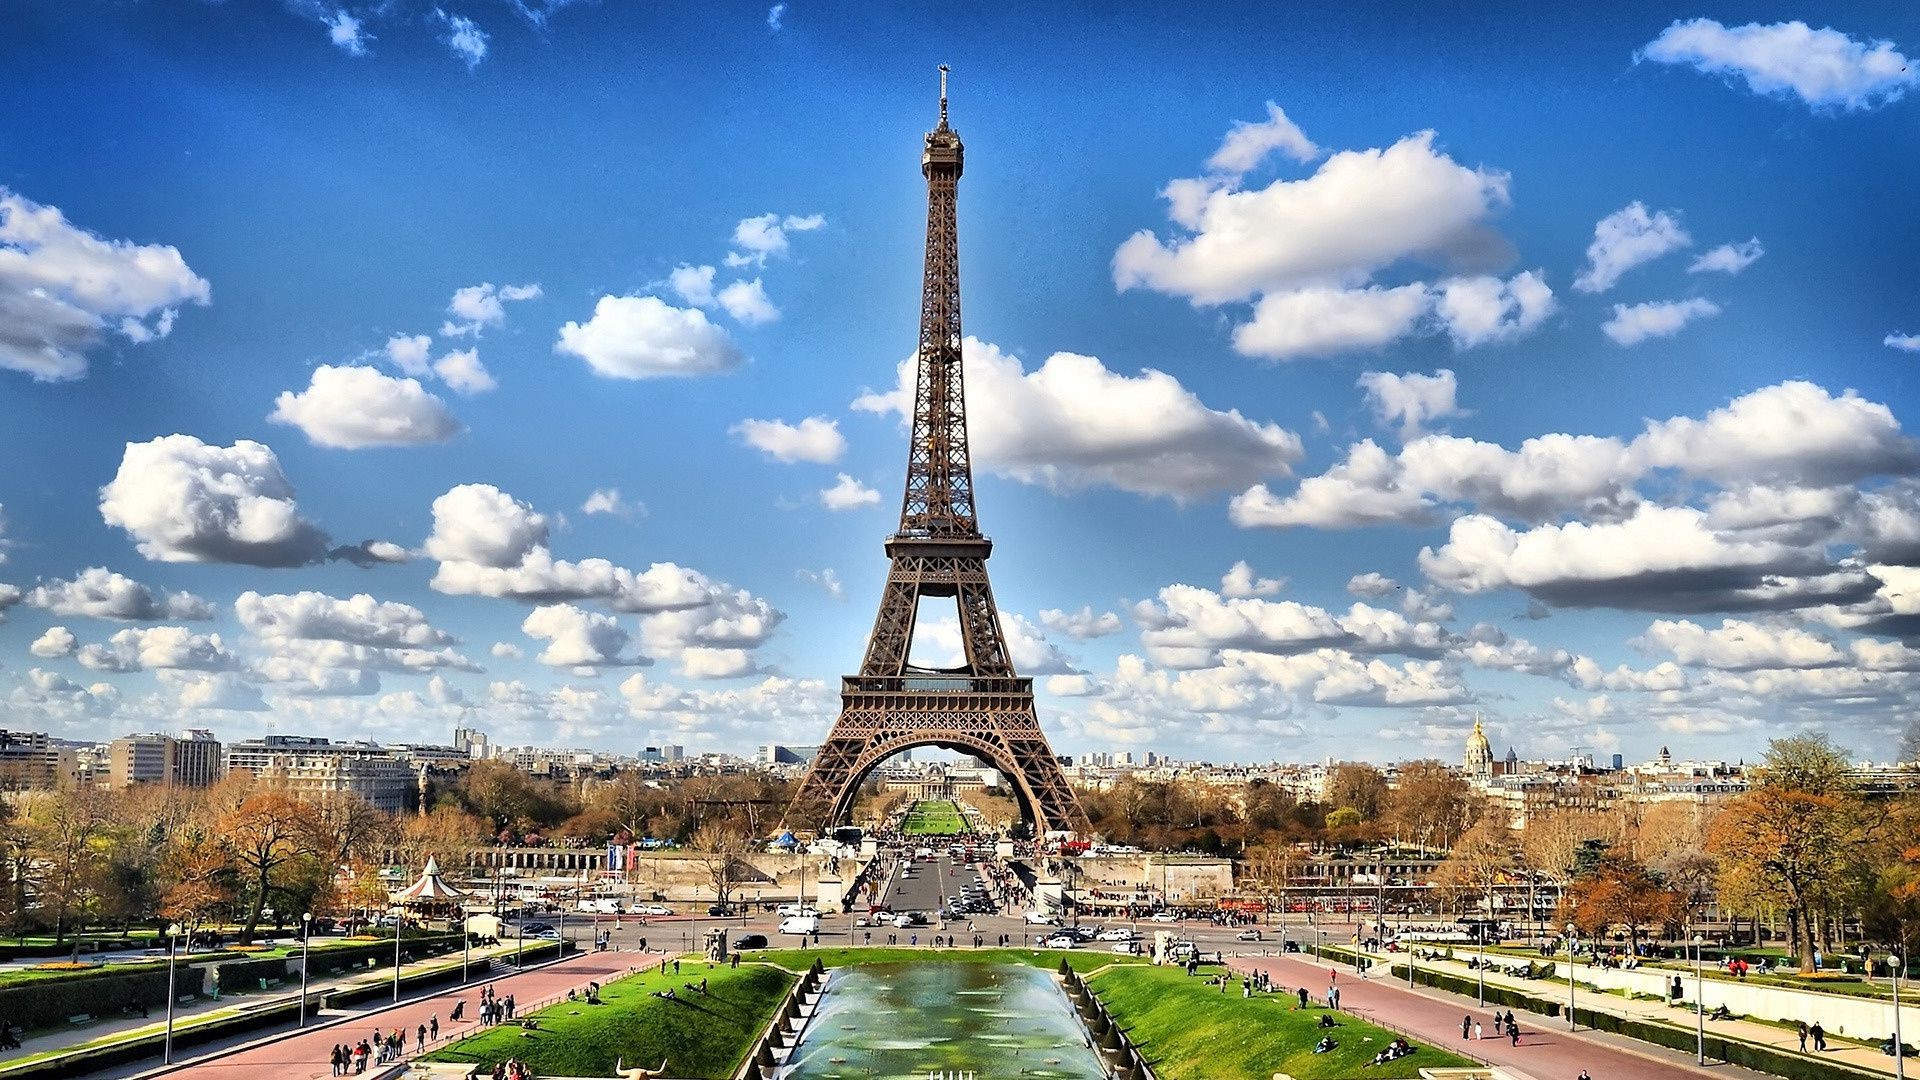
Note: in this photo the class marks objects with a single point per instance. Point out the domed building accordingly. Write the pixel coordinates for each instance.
(1479, 753)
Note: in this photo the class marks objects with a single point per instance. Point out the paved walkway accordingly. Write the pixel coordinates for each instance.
(1544, 1052)
(1659, 1012)
(300, 1055)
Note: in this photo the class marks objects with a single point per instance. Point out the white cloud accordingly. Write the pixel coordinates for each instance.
(57, 642)
(1738, 645)
(1793, 432)
(747, 302)
(462, 370)
(579, 638)
(9, 596)
(1189, 627)
(608, 501)
(1484, 310)
(1074, 423)
(1824, 68)
(1372, 585)
(1728, 258)
(505, 650)
(816, 439)
(62, 288)
(1248, 144)
(99, 593)
(1411, 401)
(1027, 644)
(491, 544)
(1082, 625)
(1321, 321)
(1634, 324)
(479, 307)
(158, 647)
(1240, 582)
(409, 352)
(465, 38)
(644, 337)
(187, 501)
(848, 493)
(1903, 342)
(828, 580)
(759, 238)
(694, 284)
(351, 408)
(358, 620)
(1627, 238)
(1360, 212)
(344, 31)
(774, 15)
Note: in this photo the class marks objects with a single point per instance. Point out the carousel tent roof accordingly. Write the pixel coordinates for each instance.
(431, 887)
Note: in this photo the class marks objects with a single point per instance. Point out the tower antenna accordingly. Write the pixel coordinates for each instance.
(943, 95)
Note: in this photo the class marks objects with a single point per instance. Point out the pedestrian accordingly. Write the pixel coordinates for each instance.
(1583, 1075)
(1819, 1037)
(1478, 1032)
(433, 1027)
(1466, 1026)
(333, 1059)
(420, 1039)
(1803, 1036)
(509, 1006)
(1513, 1034)
(676, 967)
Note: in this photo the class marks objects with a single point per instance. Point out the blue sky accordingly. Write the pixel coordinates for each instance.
(308, 188)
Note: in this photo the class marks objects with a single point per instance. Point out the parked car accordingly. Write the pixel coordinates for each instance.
(785, 910)
(1060, 941)
(547, 935)
(751, 941)
(719, 909)
(1127, 948)
(1117, 933)
(1247, 935)
(1163, 916)
(653, 909)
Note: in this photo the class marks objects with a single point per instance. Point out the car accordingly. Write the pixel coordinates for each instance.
(1163, 916)
(1127, 948)
(1117, 933)
(547, 935)
(800, 924)
(535, 929)
(1247, 935)
(1041, 918)
(719, 909)
(652, 909)
(1060, 941)
(751, 941)
(796, 909)
(862, 921)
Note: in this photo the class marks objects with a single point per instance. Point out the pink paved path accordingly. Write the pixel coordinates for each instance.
(299, 1055)
(1547, 1051)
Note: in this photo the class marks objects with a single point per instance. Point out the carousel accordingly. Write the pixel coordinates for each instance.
(431, 898)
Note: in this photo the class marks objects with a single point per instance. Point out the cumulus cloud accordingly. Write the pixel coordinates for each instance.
(608, 501)
(577, 638)
(1824, 68)
(827, 579)
(63, 288)
(483, 306)
(1739, 645)
(183, 500)
(644, 337)
(1240, 582)
(58, 641)
(1627, 238)
(1633, 324)
(1027, 645)
(1372, 585)
(747, 302)
(352, 408)
(158, 647)
(774, 16)
(1485, 310)
(815, 439)
(1321, 321)
(357, 620)
(1411, 401)
(693, 284)
(1189, 627)
(99, 593)
(345, 31)
(1903, 342)
(847, 493)
(1082, 625)
(1728, 258)
(505, 650)
(1248, 144)
(409, 353)
(756, 239)
(462, 370)
(1073, 423)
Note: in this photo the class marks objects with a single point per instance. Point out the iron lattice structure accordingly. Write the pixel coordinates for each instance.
(981, 707)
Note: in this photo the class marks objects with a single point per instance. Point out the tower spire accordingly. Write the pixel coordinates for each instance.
(943, 95)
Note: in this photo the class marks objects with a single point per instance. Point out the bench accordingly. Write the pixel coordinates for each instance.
(80, 1018)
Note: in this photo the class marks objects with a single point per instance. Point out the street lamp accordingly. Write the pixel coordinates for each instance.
(1572, 1024)
(306, 951)
(1481, 967)
(399, 923)
(466, 945)
(173, 944)
(1899, 1048)
(1700, 1003)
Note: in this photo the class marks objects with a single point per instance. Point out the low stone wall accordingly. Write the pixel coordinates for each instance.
(1186, 878)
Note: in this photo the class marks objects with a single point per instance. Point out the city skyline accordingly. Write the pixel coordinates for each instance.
(378, 370)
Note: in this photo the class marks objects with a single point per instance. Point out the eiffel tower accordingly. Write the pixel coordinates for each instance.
(981, 707)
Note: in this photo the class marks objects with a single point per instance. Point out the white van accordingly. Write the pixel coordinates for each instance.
(786, 910)
(1041, 918)
(800, 924)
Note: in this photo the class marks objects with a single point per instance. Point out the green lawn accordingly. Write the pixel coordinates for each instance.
(1189, 1030)
(1082, 960)
(934, 817)
(699, 1035)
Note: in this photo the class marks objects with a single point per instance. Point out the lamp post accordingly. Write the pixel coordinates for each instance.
(520, 947)
(173, 945)
(466, 946)
(1480, 968)
(1572, 1023)
(306, 952)
(1899, 1048)
(1699, 1003)
(399, 923)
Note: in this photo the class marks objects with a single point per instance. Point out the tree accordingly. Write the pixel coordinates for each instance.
(719, 846)
(1358, 785)
(1432, 804)
(1798, 837)
(1621, 892)
(266, 832)
(68, 834)
(196, 876)
(1480, 861)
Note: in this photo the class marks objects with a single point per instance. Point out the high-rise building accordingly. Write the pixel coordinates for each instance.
(154, 758)
(29, 759)
(314, 766)
(775, 754)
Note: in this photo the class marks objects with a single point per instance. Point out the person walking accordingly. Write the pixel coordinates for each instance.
(1478, 1032)
(420, 1039)
(1819, 1037)
(1466, 1026)
(1802, 1030)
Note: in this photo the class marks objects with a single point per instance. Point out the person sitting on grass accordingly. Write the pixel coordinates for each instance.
(1325, 1045)
(1326, 1020)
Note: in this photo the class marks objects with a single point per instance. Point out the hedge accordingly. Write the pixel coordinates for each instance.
(1732, 1051)
(81, 1062)
(239, 976)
